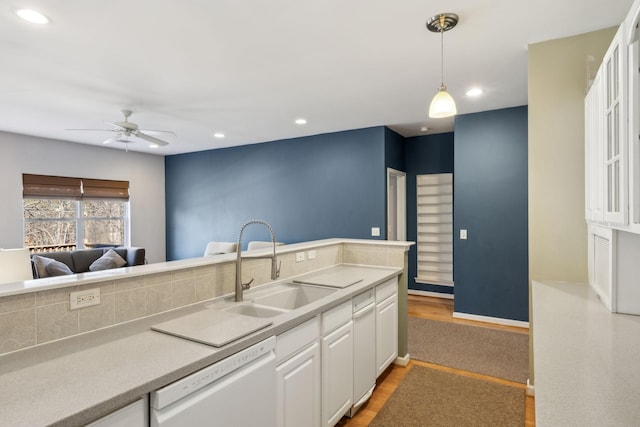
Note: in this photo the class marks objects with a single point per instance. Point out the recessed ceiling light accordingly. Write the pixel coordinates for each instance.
(32, 16)
(218, 135)
(301, 121)
(476, 91)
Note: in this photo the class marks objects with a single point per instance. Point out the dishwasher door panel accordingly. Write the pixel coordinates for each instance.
(245, 397)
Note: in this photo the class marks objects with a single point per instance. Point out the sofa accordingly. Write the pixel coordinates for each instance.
(83, 260)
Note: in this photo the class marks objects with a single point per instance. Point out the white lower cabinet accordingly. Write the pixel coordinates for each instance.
(386, 324)
(337, 363)
(298, 376)
(132, 415)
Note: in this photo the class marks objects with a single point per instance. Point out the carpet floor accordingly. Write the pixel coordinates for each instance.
(431, 398)
(500, 354)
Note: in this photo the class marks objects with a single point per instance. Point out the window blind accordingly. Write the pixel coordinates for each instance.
(59, 186)
(435, 229)
(50, 186)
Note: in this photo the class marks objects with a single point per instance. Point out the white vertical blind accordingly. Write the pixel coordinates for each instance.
(435, 228)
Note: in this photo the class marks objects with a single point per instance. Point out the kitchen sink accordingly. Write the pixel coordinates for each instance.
(289, 296)
(248, 309)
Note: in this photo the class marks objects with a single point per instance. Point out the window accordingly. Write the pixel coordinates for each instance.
(67, 213)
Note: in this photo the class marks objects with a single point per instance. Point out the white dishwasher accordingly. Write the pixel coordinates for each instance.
(364, 348)
(237, 391)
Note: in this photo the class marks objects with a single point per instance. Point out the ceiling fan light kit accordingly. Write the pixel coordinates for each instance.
(442, 104)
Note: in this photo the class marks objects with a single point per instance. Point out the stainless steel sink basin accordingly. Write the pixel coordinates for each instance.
(289, 296)
(253, 310)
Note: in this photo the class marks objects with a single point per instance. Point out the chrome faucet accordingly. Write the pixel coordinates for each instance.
(275, 270)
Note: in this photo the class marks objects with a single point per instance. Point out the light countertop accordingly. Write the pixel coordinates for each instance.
(74, 381)
(586, 359)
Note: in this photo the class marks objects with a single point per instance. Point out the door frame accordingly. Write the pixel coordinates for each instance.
(396, 206)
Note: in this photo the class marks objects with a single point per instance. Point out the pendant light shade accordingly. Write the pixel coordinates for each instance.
(442, 104)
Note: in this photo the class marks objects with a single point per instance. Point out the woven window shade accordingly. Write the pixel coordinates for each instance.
(50, 186)
(60, 186)
(105, 189)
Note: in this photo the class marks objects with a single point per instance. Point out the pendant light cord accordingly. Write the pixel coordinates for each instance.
(442, 51)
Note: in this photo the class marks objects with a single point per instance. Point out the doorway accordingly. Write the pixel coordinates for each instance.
(396, 205)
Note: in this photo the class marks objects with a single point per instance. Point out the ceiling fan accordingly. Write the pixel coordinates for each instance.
(126, 130)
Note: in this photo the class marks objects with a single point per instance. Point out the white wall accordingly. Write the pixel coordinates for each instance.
(145, 172)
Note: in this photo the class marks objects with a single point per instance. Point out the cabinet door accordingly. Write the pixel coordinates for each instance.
(337, 374)
(386, 333)
(298, 392)
(133, 415)
(615, 164)
(594, 151)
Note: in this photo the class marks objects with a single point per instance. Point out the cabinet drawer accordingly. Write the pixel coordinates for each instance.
(386, 289)
(296, 339)
(337, 316)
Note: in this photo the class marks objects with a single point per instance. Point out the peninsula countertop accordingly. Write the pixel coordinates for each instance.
(74, 381)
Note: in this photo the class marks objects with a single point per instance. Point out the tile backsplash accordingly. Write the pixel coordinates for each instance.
(43, 316)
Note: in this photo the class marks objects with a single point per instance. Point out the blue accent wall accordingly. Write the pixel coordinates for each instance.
(424, 155)
(316, 187)
(490, 201)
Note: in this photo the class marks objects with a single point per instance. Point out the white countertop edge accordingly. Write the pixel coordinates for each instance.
(27, 286)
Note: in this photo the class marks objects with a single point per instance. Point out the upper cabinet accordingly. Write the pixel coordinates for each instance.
(615, 159)
(606, 141)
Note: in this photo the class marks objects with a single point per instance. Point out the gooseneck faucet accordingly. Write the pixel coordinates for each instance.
(275, 271)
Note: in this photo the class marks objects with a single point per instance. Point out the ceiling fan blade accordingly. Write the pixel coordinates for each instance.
(153, 131)
(151, 139)
(99, 130)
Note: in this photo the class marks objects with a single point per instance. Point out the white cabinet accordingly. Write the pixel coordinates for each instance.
(606, 142)
(132, 415)
(298, 376)
(386, 324)
(337, 363)
(615, 159)
(594, 151)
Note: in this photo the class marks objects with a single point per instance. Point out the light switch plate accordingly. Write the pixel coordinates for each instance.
(463, 234)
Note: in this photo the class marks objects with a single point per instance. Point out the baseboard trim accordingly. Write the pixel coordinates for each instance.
(429, 294)
(531, 391)
(488, 319)
(402, 360)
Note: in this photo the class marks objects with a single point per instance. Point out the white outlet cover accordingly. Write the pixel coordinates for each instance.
(83, 299)
(463, 234)
(299, 256)
(311, 255)
(375, 231)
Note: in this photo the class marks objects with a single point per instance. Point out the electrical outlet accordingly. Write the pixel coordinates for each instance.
(463, 234)
(311, 254)
(299, 256)
(375, 231)
(83, 299)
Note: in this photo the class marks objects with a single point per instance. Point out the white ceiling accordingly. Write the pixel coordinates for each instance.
(249, 69)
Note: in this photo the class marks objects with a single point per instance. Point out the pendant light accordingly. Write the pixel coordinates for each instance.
(442, 104)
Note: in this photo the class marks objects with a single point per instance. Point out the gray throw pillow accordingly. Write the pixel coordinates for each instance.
(107, 261)
(57, 268)
(47, 267)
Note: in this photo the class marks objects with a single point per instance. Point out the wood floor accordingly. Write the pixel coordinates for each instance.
(435, 309)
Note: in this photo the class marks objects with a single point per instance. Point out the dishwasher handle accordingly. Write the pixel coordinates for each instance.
(365, 310)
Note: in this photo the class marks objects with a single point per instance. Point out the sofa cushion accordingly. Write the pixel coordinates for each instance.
(83, 258)
(41, 264)
(57, 268)
(107, 261)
